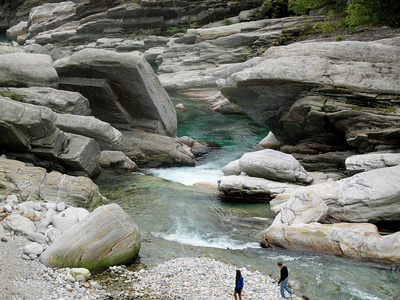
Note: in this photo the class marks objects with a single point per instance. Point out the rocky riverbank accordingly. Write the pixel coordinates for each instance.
(183, 278)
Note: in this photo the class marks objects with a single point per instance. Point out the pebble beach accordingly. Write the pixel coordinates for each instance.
(181, 278)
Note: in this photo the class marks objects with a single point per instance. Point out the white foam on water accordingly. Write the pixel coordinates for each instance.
(206, 173)
(222, 242)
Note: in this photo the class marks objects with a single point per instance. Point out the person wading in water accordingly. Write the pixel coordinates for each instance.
(283, 280)
(238, 285)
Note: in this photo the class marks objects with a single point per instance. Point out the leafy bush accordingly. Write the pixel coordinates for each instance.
(372, 12)
(227, 22)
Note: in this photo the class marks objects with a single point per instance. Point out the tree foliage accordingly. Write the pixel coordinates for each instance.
(373, 12)
(358, 12)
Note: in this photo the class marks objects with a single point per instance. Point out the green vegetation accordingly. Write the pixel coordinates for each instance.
(191, 24)
(227, 22)
(12, 96)
(347, 13)
(174, 30)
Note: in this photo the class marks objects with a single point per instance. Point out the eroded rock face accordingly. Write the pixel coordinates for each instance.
(57, 22)
(154, 150)
(360, 241)
(370, 196)
(30, 132)
(122, 89)
(346, 86)
(35, 183)
(59, 101)
(27, 70)
(106, 237)
(103, 133)
(366, 162)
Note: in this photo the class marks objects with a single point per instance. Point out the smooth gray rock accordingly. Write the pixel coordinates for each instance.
(304, 206)
(45, 221)
(64, 222)
(59, 101)
(232, 168)
(79, 212)
(18, 224)
(52, 234)
(30, 128)
(273, 165)
(108, 236)
(27, 70)
(60, 206)
(370, 196)
(8, 208)
(154, 150)
(12, 200)
(103, 133)
(35, 183)
(100, 75)
(337, 102)
(33, 248)
(73, 190)
(246, 186)
(366, 162)
(117, 160)
(82, 154)
(358, 241)
(36, 237)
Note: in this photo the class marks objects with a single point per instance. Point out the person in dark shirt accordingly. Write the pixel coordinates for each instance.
(238, 285)
(283, 280)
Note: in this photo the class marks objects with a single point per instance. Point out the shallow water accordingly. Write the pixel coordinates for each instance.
(178, 220)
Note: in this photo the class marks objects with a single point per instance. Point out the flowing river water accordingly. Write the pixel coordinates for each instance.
(178, 219)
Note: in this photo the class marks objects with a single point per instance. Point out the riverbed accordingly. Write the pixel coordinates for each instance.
(179, 218)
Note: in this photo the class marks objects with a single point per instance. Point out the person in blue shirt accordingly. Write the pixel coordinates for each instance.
(283, 280)
(238, 285)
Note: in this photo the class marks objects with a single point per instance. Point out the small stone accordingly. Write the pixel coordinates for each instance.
(60, 206)
(12, 200)
(33, 256)
(8, 208)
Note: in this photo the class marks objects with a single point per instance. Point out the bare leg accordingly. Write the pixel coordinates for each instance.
(234, 295)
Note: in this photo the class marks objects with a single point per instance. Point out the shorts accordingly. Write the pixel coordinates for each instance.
(238, 291)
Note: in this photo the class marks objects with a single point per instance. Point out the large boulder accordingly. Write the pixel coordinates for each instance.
(117, 160)
(27, 70)
(59, 101)
(359, 241)
(107, 237)
(30, 129)
(370, 196)
(337, 102)
(19, 224)
(246, 186)
(370, 161)
(121, 87)
(81, 154)
(154, 150)
(103, 133)
(302, 207)
(34, 183)
(273, 165)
